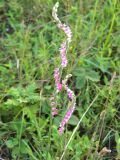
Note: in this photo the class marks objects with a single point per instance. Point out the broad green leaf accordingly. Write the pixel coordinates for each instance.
(93, 76)
(79, 72)
(73, 120)
(80, 82)
(11, 143)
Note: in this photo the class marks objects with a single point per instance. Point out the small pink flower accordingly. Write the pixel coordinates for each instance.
(67, 31)
(57, 79)
(54, 111)
(66, 119)
(59, 86)
(52, 98)
(70, 93)
(61, 130)
(64, 60)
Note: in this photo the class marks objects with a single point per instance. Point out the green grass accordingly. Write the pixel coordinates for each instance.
(30, 38)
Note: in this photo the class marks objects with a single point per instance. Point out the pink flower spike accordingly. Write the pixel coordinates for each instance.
(59, 83)
(57, 80)
(59, 87)
(64, 60)
(67, 31)
(66, 118)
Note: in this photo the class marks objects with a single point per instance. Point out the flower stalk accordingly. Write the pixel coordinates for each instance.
(59, 86)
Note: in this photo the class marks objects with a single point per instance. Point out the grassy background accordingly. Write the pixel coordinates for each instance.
(29, 44)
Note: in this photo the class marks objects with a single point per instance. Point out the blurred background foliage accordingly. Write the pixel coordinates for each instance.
(29, 52)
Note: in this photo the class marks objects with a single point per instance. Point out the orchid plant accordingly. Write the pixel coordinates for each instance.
(59, 83)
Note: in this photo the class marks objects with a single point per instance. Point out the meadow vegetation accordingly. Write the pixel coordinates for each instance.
(29, 52)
